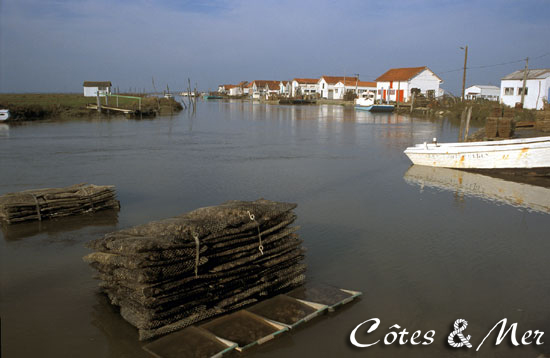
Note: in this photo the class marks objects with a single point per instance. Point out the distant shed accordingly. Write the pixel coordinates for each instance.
(93, 88)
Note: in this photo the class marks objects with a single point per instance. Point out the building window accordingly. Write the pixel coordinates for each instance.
(520, 90)
(508, 91)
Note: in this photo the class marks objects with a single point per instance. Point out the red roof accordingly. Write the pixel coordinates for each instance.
(307, 81)
(332, 80)
(402, 74)
(229, 86)
(352, 82)
(262, 83)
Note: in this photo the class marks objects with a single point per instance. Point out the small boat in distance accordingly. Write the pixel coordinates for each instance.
(367, 103)
(531, 154)
(4, 114)
(213, 97)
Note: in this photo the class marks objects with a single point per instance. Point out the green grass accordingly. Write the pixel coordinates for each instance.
(30, 106)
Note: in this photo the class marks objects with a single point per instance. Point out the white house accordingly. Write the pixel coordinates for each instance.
(491, 93)
(239, 90)
(261, 88)
(353, 85)
(284, 88)
(304, 86)
(92, 88)
(536, 88)
(397, 83)
(327, 85)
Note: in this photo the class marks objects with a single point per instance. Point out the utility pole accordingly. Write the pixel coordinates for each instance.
(524, 80)
(464, 75)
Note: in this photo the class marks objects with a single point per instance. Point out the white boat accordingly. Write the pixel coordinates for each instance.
(4, 114)
(367, 102)
(520, 195)
(526, 153)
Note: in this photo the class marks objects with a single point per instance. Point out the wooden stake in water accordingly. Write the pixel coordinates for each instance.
(462, 120)
(468, 116)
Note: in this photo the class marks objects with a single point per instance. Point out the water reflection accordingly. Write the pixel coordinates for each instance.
(120, 336)
(4, 130)
(53, 227)
(520, 195)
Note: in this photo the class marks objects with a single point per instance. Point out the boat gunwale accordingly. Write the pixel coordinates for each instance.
(504, 142)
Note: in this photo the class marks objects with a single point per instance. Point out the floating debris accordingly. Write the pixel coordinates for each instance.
(42, 204)
(169, 274)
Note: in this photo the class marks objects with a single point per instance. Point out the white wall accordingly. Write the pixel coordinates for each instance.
(92, 91)
(395, 86)
(325, 92)
(537, 91)
(426, 81)
(235, 91)
(306, 88)
(475, 92)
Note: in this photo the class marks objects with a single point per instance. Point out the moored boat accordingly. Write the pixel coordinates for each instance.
(4, 114)
(367, 103)
(525, 153)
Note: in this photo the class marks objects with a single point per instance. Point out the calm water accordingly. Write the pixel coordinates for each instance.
(423, 252)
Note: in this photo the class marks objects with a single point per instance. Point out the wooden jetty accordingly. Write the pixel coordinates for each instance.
(110, 108)
(106, 107)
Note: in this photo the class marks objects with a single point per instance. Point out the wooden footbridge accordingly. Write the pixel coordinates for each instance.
(106, 107)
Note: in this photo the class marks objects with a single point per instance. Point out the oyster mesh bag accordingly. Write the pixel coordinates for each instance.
(168, 274)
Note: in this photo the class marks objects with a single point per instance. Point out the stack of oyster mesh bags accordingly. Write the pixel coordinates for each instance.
(40, 204)
(169, 274)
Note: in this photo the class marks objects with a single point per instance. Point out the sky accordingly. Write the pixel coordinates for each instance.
(55, 45)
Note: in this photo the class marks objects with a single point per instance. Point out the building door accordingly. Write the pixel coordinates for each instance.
(384, 95)
(400, 95)
(330, 94)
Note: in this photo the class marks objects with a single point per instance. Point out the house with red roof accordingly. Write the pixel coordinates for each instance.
(304, 87)
(239, 90)
(352, 85)
(262, 88)
(284, 88)
(327, 86)
(397, 84)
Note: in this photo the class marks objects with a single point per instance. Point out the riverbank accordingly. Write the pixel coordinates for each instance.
(37, 106)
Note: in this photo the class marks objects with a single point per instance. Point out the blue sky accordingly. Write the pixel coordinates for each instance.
(55, 45)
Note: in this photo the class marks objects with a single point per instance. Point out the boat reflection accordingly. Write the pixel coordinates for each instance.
(533, 197)
(53, 227)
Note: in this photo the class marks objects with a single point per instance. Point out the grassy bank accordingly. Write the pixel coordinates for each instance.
(35, 106)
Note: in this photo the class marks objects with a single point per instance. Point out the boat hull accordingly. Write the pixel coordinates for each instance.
(531, 153)
(376, 108)
(4, 114)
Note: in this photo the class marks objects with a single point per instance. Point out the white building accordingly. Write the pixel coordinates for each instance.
(397, 83)
(92, 89)
(353, 85)
(284, 88)
(536, 88)
(304, 87)
(491, 93)
(262, 89)
(327, 85)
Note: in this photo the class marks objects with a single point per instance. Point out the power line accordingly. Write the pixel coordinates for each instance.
(493, 65)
